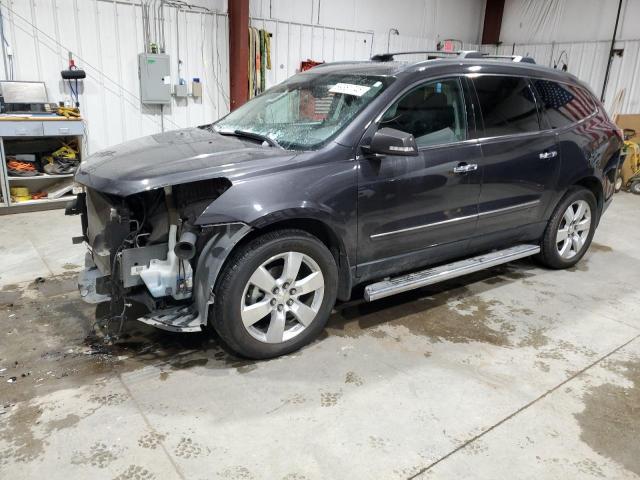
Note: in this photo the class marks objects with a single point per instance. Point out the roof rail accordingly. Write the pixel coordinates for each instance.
(513, 58)
(433, 54)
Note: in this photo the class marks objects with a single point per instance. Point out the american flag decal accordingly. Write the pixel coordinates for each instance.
(572, 102)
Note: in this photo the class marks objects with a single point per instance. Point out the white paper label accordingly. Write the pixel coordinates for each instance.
(349, 89)
(135, 270)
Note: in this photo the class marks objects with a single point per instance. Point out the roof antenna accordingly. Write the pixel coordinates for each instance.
(393, 31)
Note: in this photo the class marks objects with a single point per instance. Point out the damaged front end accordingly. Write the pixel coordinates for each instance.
(149, 248)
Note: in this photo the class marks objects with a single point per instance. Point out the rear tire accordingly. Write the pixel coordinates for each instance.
(570, 229)
(275, 294)
(635, 187)
(618, 185)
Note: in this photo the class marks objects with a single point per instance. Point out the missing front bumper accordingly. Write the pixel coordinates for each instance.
(176, 319)
(88, 282)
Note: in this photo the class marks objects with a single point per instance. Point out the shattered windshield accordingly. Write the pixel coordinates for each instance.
(306, 111)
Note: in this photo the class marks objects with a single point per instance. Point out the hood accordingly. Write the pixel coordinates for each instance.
(176, 157)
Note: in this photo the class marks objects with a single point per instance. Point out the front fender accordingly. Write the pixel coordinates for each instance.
(220, 243)
(325, 191)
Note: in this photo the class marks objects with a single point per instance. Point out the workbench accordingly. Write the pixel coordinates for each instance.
(35, 134)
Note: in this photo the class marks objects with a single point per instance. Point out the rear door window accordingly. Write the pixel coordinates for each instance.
(563, 104)
(433, 113)
(508, 105)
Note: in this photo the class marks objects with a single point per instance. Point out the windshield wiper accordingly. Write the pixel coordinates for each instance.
(251, 135)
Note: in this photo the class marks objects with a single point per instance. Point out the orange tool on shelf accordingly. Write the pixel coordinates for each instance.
(38, 195)
(20, 166)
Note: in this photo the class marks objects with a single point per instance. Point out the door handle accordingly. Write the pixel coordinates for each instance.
(465, 168)
(546, 155)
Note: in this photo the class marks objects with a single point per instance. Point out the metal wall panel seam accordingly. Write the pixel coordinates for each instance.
(276, 56)
(187, 64)
(288, 47)
(56, 29)
(216, 72)
(633, 91)
(85, 107)
(123, 118)
(333, 49)
(14, 61)
(134, 8)
(103, 98)
(35, 38)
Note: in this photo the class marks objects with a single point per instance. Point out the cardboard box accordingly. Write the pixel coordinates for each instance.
(629, 120)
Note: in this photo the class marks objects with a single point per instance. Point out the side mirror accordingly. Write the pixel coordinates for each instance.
(389, 141)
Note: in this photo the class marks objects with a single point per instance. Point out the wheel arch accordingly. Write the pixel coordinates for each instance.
(594, 185)
(319, 229)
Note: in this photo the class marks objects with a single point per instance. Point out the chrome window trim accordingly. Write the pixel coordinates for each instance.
(473, 75)
(469, 141)
(476, 216)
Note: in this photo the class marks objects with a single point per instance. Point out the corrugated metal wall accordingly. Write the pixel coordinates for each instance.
(294, 42)
(588, 61)
(106, 36)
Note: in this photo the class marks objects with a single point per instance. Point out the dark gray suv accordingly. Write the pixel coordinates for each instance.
(386, 174)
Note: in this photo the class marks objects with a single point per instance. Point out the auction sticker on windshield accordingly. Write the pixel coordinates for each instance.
(349, 89)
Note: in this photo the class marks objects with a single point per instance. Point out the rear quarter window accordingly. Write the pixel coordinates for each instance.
(508, 105)
(564, 104)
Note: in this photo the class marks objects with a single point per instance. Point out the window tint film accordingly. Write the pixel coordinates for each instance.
(433, 113)
(508, 105)
(563, 104)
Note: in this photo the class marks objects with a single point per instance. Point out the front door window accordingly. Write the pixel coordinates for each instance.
(433, 113)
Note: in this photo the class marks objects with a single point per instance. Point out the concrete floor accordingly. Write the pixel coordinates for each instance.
(517, 372)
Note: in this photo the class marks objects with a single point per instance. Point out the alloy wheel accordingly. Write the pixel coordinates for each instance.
(573, 229)
(282, 297)
(618, 184)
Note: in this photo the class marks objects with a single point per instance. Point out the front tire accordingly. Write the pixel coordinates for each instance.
(275, 294)
(570, 229)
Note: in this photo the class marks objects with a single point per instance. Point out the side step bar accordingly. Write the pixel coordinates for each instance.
(386, 288)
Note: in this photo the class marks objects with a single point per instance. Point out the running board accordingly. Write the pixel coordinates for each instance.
(386, 288)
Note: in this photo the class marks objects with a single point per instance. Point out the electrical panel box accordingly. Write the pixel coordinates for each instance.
(155, 78)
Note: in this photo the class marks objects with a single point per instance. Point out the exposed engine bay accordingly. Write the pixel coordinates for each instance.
(144, 247)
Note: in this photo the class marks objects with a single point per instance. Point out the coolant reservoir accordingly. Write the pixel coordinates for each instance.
(170, 277)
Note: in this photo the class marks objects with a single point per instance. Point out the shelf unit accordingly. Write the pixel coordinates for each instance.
(40, 177)
(37, 134)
